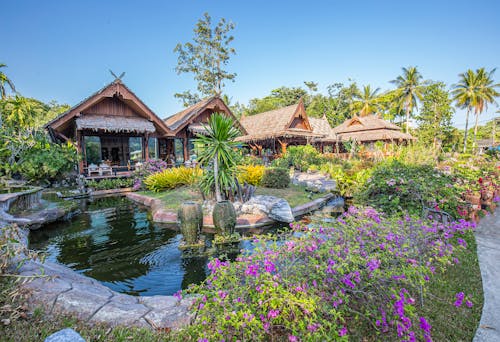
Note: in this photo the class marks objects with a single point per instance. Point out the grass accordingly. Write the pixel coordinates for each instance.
(294, 194)
(172, 199)
(448, 322)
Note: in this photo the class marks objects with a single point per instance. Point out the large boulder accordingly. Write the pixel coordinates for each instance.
(275, 208)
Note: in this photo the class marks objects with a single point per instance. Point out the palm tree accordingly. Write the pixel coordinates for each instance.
(465, 94)
(486, 94)
(368, 100)
(4, 79)
(410, 89)
(219, 151)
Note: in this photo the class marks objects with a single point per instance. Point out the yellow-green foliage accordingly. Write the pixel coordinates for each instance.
(173, 178)
(252, 174)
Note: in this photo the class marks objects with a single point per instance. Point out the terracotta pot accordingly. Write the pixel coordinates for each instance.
(224, 217)
(473, 199)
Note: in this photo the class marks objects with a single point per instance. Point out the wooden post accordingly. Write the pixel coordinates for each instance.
(146, 147)
(80, 148)
(185, 145)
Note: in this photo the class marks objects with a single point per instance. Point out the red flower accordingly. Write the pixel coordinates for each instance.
(480, 180)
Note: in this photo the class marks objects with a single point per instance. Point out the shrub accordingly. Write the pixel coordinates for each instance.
(251, 174)
(173, 178)
(300, 157)
(112, 183)
(275, 177)
(362, 275)
(251, 160)
(146, 169)
(349, 177)
(395, 187)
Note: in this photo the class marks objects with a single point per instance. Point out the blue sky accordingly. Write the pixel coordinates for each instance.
(62, 50)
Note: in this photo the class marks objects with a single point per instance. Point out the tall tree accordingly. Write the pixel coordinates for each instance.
(486, 94)
(5, 80)
(367, 101)
(409, 86)
(206, 58)
(465, 94)
(435, 115)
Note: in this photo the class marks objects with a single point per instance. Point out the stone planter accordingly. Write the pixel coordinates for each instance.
(190, 218)
(224, 217)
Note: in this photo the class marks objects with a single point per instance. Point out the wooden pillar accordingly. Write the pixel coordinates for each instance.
(185, 145)
(80, 148)
(146, 147)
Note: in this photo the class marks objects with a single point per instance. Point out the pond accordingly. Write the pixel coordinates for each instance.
(115, 242)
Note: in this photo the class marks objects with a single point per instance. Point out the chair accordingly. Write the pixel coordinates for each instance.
(105, 169)
(93, 168)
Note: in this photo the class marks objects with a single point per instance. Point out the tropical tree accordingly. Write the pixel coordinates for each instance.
(465, 94)
(486, 94)
(205, 58)
(367, 101)
(409, 90)
(20, 112)
(5, 80)
(435, 115)
(219, 153)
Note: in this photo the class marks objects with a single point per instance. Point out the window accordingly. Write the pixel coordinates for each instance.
(92, 150)
(135, 148)
(153, 148)
(179, 151)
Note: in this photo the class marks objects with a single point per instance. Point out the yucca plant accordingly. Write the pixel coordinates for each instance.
(218, 154)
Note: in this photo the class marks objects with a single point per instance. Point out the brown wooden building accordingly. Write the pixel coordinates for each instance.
(189, 122)
(115, 127)
(276, 129)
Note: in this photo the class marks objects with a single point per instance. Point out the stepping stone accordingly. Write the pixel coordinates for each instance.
(65, 335)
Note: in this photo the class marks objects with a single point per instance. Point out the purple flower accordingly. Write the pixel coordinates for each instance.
(273, 313)
(468, 303)
(178, 295)
(373, 264)
(343, 331)
(292, 338)
(459, 299)
(462, 242)
(424, 325)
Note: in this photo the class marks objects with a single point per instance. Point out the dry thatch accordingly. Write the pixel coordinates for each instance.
(115, 124)
(177, 120)
(189, 115)
(278, 123)
(368, 128)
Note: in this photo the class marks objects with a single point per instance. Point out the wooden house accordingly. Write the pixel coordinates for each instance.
(276, 129)
(369, 129)
(189, 122)
(113, 126)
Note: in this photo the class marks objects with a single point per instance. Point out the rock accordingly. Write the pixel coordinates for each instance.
(316, 182)
(281, 211)
(65, 335)
(276, 208)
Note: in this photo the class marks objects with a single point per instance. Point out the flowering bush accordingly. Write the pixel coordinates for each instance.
(146, 169)
(396, 188)
(325, 283)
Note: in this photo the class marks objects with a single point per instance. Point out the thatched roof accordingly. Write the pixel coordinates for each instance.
(368, 128)
(188, 115)
(482, 143)
(115, 124)
(277, 123)
(115, 90)
(321, 126)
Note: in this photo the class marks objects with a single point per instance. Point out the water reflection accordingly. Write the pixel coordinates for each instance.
(115, 242)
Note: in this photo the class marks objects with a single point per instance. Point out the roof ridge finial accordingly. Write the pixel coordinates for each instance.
(118, 79)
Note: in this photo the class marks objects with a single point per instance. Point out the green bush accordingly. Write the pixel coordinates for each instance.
(276, 177)
(300, 157)
(395, 188)
(107, 184)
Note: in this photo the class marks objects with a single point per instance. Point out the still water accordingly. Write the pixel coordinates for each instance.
(115, 241)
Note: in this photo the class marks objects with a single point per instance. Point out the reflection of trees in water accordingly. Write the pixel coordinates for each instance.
(194, 271)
